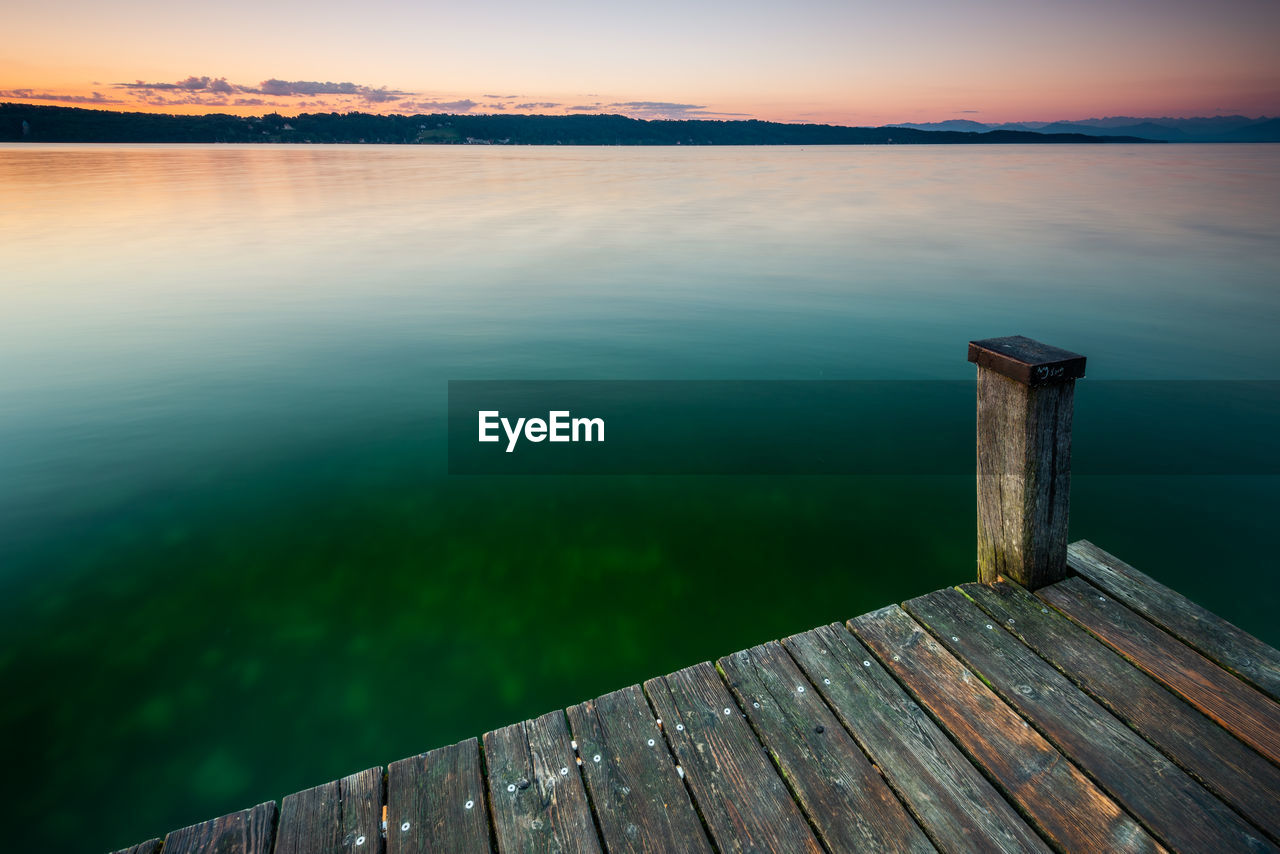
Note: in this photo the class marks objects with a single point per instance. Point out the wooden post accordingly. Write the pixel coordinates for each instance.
(1025, 392)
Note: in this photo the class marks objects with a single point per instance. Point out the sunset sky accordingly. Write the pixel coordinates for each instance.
(834, 61)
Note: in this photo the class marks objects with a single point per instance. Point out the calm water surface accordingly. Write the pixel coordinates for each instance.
(232, 565)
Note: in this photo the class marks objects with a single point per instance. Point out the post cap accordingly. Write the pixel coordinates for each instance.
(1027, 361)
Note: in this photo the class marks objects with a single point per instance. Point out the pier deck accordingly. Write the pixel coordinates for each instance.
(1103, 712)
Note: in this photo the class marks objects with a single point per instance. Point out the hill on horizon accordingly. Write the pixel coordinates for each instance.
(1164, 129)
(34, 123)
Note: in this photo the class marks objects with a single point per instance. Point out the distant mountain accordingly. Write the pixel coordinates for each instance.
(964, 125)
(1199, 129)
(1195, 125)
(971, 126)
(1265, 131)
(29, 123)
(1146, 130)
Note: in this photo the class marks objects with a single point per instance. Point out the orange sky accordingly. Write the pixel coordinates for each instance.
(843, 62)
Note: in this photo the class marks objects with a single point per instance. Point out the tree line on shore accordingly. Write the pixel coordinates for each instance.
(34, 123)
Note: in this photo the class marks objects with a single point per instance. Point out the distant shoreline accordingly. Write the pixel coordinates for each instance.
(33, 123)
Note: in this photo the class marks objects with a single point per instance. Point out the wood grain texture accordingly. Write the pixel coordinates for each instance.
(849, 803)
(1024, 479)
(955, 805)
(362, 800)
(250, 831)
(1214, 637)
(535, 789)
(342, 816)
(1247, 713)
(639, 799)
(1224, 764)
(745, 804)
(310, 821)
(1071, 812)
(1172, 806)
(440, 794)
(151, 846)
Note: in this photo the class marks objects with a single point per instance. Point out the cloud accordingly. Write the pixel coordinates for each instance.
(667, 110)
(289, 88)
(464, 106)
(171, 98)
(285, 88)
(275, 88)
(382, 96)
(659, 105)
(32, 95)
(195, 91)
(329, 96)
(191, 84)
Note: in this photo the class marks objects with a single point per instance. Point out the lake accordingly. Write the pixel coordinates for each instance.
(233, 564)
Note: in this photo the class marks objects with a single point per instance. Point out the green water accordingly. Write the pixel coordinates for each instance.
(232, 565)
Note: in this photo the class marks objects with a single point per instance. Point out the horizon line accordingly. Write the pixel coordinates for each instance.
(135, 109)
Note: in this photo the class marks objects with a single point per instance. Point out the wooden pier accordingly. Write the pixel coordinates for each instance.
(1065, 701)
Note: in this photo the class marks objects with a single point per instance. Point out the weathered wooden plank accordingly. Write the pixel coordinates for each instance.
(535, 789)
(439, 795)
(744, 802)
(362, 802)
(956, 806)
(1175, 808)
(342, 816)
(151, 846)
(1071, 812)
(845, 799)
(250, 831)
(311, 821)
(1232, 647)
(1225, 765)
(639, 800)
(1250, 715)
